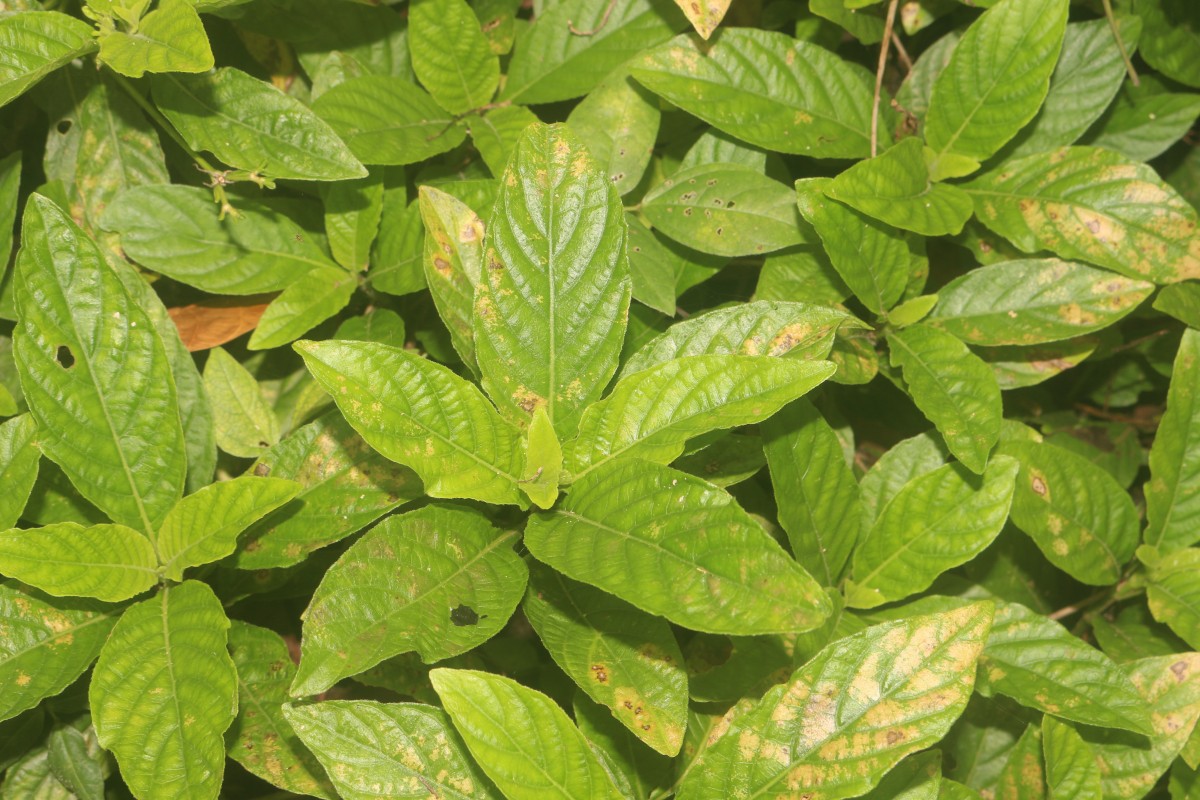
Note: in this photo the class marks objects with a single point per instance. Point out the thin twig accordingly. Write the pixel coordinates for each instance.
(902, 53)
(883, 54)
(603, 21)
(1112, 24)
(1075, 608)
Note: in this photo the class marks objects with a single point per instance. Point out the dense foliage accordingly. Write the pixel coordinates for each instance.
(599, 399)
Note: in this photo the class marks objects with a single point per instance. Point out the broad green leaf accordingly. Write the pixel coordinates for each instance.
(619, 656)
(801, 274)
(352, 212)
(636, 770)
(34, 44)
(726, 210)
(302, 306)
(658, 270)
(345, 486)
(396, 257)
(373, 750)
(386, 119)
(1079, 516)
(177, 231)
(1092, 205)
(815, 491)
(523, 741)
(1038, 663)
(939, 520)
(551, 307)
(914, 93)
(1023, 776)
(1173, 492)
(677, 547)
(1016, 367)
(902, 463)
(849, 715)
(453, 261)
(107, 562)
(1173, 595)
(163, 692)
(918, 777)
(1172, 39)
(48, 642)
(1185, 782)
(1143, 123)
(261, 738)
(716, 147)
(1181, 301)
(768, 89)
(953, 388)
(170, 38)
(1134, 634)
(618, 123)
(31, 779)
(107, 415)
(74, 765)
(543, 460)
(204, 526)
(10, 204)
(245, 423)
(705, 16)
(19, 457)
(422, 415)
(652, 413)
(374, 325)
(1034, 301)
(896, 187)
(867, 28)
(573, 45)
(496, 132)
(995, 81)
(1071, 772)
(439, 581)
(450, 54)
(730, 459)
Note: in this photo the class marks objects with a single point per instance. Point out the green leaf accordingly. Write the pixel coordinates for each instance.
(1173, 491)
(1143, 123)
(523, 741)
(495, 134)
(1092, 205)
(573, 45)
(675, 546)
(953, 388)
(767, 89)
(1134, 634)
(107, 562)
(730, 459)
(652, 267)
(1172, 40)
(461, 582)
(352, 212)
(453, 261)
(903, 462)
(652, 413)
(73, 765)
(386, 119)
(867, 28)
(1070, 763)
(1173, 595)
(31, 778)
(815, 491)
(396, 257)
(1181, 301)
(1033, 301)
(937, 521)
(107, 415)
(373, 750)
(246, 425)
(374, 325)
(636, 770)
(47, 644)
(422, 415)
(1077, 514)
(618, 123)
(163, 692)
(896, 187)
(261, 739)
(450, 54)
(995, 81)
(36, 43)
(177, 231)
(302, 306)
(170, 38)
(550, 310)
(918, 777)
(1023, 775)
(852, 713)
(726, 210)
(543, 460)
(19, 457)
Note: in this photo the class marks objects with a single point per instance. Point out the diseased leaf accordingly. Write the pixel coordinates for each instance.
(1070, 763)
(245, 423)
(1173, 596)
(170, 38)
(705, 16)
(36, 43)
(302, 306)
(1023, 776)
(1173, 491)
(19, 457)
(730, 459)
(453, 260)
(107, 562)
(450, 55)
(617, 123)
(635, 769)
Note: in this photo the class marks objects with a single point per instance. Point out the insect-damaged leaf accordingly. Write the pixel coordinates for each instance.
(618, 123)
(453, 261)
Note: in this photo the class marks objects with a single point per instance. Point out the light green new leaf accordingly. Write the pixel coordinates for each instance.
(245, 423)
(19, 457)
(619, 656)
(95, 373)
(374, 325)
(450, 54)
(618, 123)
(48, 642)
(953, 388)
(1174, 596)
(302, 306)
(400, 750)
(34, 44)
(1081, 519)
(163, 692)
(850, 714)
(176, 230)
(543, 460)
(170, 38)
(204, 526)
(107, 562)
(1143, 123)
(1093, 205)
(1071, 770)
(995, 82)
(896, 187)
(1173, 491)
(652, 413)
(573, 45)
(678, 547)
(422, 415)
(387, 119)
(521, 738)
(939, 520)
(768, 89)
(352, 212)
(815, 491)
(251, 125)
(453, 260)
(261, 739)
(439, 581)
(1172, 40)
(550, 309)
(1032, 301)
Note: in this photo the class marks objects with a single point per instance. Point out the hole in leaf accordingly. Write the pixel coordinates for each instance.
(463, 616)
(63, 126)
(64, 357)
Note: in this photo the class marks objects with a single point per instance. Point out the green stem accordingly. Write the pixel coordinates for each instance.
(1112, 24)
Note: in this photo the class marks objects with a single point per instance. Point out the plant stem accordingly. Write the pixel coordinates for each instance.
(1112, 24)
(883, 54)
